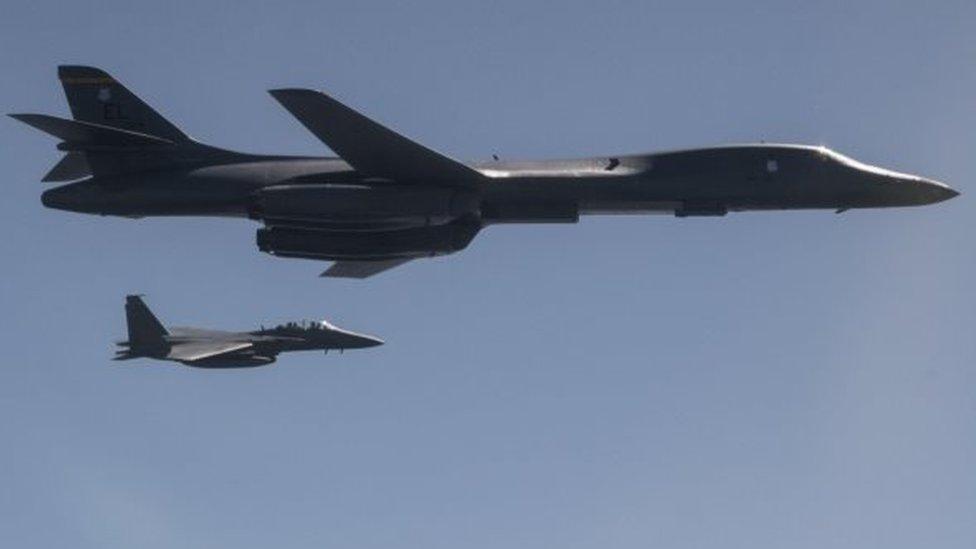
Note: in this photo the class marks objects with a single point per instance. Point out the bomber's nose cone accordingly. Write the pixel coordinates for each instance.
(938, 192)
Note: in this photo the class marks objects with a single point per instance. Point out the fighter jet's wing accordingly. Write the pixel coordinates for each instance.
(361, 269)
(374, 150)
(199, 350)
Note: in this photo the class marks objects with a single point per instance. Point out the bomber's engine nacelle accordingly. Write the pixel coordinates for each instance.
(360, 208)
(368, 245)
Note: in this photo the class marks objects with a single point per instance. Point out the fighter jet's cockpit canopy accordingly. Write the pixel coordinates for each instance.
(306, 326)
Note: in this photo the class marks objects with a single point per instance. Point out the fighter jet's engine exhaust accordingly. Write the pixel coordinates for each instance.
(360, 208)
(368, 245)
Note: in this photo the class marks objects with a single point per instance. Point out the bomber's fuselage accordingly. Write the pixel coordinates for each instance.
(699, 181)
(321, 208)
(388, 199)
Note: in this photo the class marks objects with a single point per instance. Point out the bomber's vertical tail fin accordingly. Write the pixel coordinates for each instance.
(94, 96)
(145, 330)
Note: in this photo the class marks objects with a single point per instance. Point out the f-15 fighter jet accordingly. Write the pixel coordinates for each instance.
(386, 199)
(216, 349)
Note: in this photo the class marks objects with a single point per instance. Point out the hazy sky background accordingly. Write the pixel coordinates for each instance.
(801, 380)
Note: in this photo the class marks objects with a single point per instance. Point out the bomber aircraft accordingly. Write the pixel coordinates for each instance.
(386, 200)
(217, 349)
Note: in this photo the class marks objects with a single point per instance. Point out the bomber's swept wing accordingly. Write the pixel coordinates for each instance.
(371, 148)
(199, 350)
(361, 269)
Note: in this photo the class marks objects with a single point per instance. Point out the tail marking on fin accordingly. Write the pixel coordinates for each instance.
(95, 97)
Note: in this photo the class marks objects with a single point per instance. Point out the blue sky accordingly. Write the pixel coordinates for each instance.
(761, 380)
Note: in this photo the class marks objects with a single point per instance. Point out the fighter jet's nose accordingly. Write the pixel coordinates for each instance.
(370, 341)
(352, 340)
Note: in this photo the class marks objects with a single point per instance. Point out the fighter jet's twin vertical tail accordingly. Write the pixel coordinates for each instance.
(145, 330)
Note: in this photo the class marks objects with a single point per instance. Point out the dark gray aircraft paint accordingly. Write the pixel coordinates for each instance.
(387, 200)
(216, 349)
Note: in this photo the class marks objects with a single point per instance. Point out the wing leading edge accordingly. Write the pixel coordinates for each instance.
(371, 148)
(200, 350)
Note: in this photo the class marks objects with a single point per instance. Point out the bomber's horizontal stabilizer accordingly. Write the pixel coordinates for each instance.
(371, 148)
(87, 134)
(73, 166)
(361, 269)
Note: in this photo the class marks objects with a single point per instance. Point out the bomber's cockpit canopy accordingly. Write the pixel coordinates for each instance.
(857, 164)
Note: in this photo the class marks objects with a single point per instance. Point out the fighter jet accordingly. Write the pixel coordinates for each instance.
(216, 349)
(387, 200)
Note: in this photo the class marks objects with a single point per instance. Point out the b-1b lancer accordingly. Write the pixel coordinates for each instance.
(216, 349)
(386, 199)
